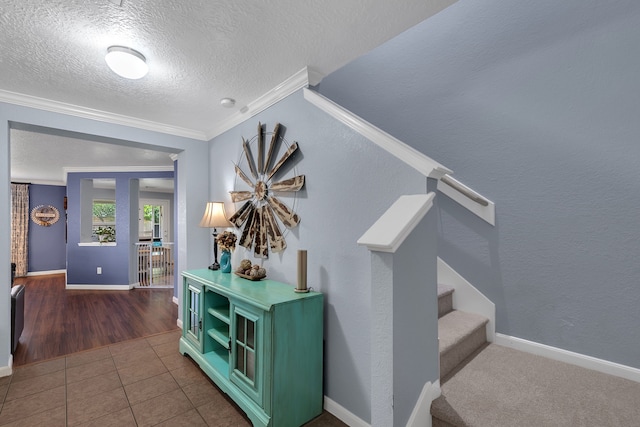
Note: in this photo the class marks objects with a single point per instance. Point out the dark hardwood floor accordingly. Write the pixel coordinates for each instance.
(60, 322)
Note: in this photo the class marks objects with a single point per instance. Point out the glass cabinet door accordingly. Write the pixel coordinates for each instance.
(245, 354)
(193, 316)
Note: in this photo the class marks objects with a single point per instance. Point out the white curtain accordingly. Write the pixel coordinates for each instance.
(20, 228)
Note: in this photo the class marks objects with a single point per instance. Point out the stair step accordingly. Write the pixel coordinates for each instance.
(460, 334)
(445, 299)
(503, 387)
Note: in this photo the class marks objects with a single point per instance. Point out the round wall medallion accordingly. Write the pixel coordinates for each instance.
(45, 215)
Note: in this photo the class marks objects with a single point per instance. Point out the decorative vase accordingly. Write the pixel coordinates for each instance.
(225, 262)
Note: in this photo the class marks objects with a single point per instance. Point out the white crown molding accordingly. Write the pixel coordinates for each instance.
(103, 116)
(303, 78)
(74, 169)
(409, 155)
(299, 80)
(92, 169)
(393, 227)
(315, 77)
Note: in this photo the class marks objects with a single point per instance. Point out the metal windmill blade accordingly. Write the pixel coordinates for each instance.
(276, 240)
(260, 148)
(244, 177)
(288, 217)
(249, 157)
(291, 184)
(272, 146)
(260, 241)
(241, 214)
(283, 159)
(246, 239)
(240, 196)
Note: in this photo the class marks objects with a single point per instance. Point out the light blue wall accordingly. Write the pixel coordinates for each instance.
(47, 246)
(534, 105)
(192, 156)
(349, 183)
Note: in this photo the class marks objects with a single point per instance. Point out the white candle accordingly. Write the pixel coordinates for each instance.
(302, 270)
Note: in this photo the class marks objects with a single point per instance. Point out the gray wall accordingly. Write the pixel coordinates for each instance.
(415, 317)
(349, 184)
(534, 105)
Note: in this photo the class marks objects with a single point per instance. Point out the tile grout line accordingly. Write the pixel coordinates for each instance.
(65, 365)
(159, 348)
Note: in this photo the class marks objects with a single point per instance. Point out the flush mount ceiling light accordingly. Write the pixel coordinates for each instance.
(227, 102)
(126, 62)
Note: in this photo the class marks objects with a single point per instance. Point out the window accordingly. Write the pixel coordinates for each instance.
(98, 210)
(103, 222)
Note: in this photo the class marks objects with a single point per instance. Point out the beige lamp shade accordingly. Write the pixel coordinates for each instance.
(214, 216)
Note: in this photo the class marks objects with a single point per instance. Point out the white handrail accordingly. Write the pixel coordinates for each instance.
(428, 167)
(409, 155)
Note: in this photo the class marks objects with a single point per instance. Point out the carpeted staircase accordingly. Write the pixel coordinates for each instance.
(488, 385)
(460, 333)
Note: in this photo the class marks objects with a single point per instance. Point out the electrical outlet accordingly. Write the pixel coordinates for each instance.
(99, 270)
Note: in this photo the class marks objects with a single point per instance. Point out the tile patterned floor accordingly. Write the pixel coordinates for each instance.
(143, 382)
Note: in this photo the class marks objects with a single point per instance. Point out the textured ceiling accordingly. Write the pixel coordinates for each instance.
(198, 51)
(45, 159)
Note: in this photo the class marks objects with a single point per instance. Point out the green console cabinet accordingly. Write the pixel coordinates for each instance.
(259, 341)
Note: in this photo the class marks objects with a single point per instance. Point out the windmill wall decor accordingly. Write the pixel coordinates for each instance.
(262, 210)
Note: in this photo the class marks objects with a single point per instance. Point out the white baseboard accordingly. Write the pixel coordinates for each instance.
(5, 371)
(178, 321)
(137, 285)
(342, 414)
(77, 287)
(45, 273)
(421, 415)
(570, 357)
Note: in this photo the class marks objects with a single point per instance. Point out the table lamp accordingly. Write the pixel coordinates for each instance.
(214, 216)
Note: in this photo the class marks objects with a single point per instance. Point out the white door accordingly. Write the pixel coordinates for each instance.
(154, 217)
